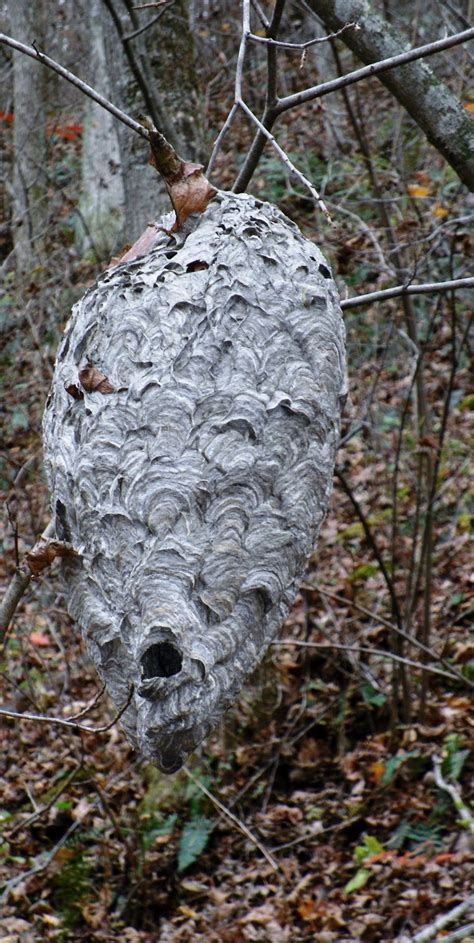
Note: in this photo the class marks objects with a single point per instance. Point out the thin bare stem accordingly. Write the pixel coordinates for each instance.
(288, 163)
(375, 68)
(74, 80)
(429, 932)
(393, 628)
(85, 710)
(17, 588)
(222, 133)
(230, 815)
(48, 805)
(366, 650)
(44, 719)
(301, 46)
(422, 289)
(453, 792)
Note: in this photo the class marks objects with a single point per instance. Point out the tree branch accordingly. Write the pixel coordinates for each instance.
(280, 44)
(74, 80)
(230, 815)
(425, 288)
(426, 98)
(18, 586)
(288, 163)
(367, 650)
(441, 922)
(59, 721)
(459, 804)
(420, 52)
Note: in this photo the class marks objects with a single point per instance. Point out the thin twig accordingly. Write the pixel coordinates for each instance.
(420, 52)
(148, 6)
(365, 649)
(85, 710)
(230, 815)
(17, 588)
(288, 163)
(44, 862)
(450, 788)
(261, 15)
(74, 80)
(48, 805)
(280, 44)
(425, 288)
(463, 935)
(218, 142)
(442, 921)
(42, 718)
(393, 628)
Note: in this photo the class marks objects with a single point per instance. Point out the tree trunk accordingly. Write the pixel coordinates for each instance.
(101, 208)
(429, 102)
(30, 201)
(152, 73)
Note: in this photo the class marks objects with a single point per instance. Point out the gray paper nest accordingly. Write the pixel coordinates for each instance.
(195, 491)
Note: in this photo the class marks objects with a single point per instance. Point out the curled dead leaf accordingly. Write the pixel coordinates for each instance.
(190, 192)
(44, 552)
(94, 381)
(143, 244)
(74, 391)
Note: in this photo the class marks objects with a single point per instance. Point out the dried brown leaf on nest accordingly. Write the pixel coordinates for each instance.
(44, 552)
(94, 381)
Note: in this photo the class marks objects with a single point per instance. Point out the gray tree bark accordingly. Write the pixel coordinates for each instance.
(30, 203)
(429, 102)
(101, 207)
(166, 90)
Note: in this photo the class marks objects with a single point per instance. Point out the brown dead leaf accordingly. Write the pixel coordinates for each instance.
(307, 908)
(74, 391)
(94, 381)
(190, 192)
(143, 244)
(44, 552)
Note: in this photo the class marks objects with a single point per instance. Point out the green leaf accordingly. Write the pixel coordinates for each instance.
(456, 758)
(394, 763)
(156, 826)
(372, 696)
(194, 838)
(359, 880)
(371, 846)
(363, 572)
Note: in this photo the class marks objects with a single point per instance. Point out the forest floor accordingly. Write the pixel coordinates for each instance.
(353, 835)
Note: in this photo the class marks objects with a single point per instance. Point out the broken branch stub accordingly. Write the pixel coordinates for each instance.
(194, 491)
(188, 188)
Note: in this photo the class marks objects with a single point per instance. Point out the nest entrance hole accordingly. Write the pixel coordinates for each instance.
(161, 661)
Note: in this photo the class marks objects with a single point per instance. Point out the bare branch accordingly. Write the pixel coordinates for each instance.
(230, 815)
(288, 163)
(450, 788)
(18, 586)
(425, 288)
(74, 80)
(420, 52)
(59, 721)
(366, 650)
(148, 6)
(392, 627)
(222, 133)
(16, 590)
(48, 805)
(301, 46)
(441, 922)
(261, 15)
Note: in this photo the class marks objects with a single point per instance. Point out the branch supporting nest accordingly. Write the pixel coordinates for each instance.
(24, 573)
